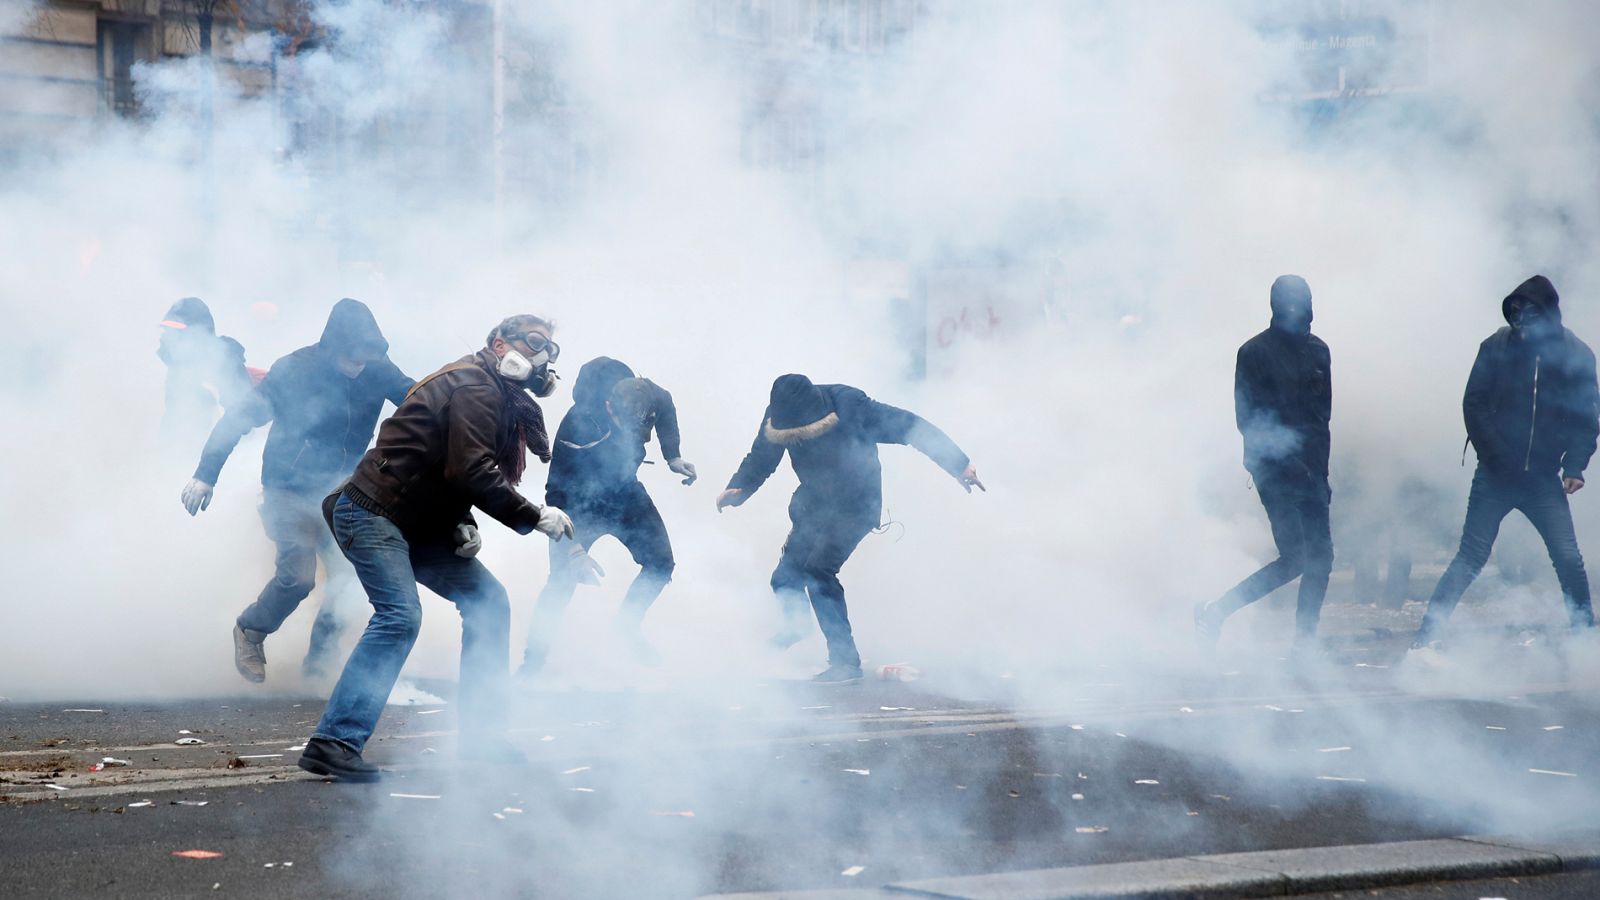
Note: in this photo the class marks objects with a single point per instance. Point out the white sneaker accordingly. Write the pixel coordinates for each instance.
(249, 656)
(1427, 656)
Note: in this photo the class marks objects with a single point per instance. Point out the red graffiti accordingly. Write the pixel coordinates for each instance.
(979, 325)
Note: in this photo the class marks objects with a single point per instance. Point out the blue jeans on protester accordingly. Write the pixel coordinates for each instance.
(390, 567)
(1540, 497)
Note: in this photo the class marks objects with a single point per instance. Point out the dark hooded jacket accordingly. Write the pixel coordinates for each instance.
(203, 367)
(322, 421)
(595, 462)
(1283, 400)
(441, 454)
(833, 447)
(1531, 402)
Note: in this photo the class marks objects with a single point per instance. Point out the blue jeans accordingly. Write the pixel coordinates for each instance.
(294, 522)
(390, 567)
(1494, 495)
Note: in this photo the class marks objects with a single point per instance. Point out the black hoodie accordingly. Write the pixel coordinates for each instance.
(593, 461)
(1531, 403)
(322, 420)
(835, 454)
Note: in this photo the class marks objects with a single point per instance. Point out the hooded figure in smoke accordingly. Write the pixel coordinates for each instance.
(1283, 401)
(323, 402)
(1533, 413)
(832, 433)
(203, 370)
(594, 477)
(459, 440)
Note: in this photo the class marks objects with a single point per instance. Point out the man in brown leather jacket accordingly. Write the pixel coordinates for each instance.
(458, 441)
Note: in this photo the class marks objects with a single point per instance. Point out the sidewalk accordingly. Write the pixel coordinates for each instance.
(1273, 873)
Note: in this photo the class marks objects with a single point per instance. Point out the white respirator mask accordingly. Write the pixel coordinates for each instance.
(516, 367)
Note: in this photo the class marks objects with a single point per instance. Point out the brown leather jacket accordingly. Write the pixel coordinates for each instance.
(435, 457)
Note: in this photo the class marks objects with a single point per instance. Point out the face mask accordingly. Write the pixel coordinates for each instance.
(515, 367)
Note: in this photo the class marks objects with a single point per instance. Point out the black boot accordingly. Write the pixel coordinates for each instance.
(335, 760)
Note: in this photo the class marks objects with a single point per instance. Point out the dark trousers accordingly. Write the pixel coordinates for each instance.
(390, 567)
(818, 545)
(294, 522)
(1297, 509)
(1539, 497)
(631, 518)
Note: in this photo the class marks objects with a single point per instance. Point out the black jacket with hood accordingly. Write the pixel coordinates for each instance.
(322, 420)
(1531, 402)
(835, 452)
(1282, 402)
(594, 461)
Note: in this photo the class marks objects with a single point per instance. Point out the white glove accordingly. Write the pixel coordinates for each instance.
(584, 566)
(196, 495)
(683, 467)
(554, 524)
(468, 540)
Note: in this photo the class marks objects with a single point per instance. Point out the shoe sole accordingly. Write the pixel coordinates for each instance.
(840, 683)
(316, 767)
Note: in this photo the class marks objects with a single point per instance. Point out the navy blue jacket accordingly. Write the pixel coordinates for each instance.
(1532, 405)
(836, 458)
(322, 421)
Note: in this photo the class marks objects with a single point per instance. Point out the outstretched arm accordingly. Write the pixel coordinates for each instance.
(247, 414)
(757, 467)
(892, 425)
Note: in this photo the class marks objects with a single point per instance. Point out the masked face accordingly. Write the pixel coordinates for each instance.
(515, 367)
(1531, 321)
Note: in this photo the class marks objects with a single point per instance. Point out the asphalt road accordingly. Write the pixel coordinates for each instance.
(786, 786)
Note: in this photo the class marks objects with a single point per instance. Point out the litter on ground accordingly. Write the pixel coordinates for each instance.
(853, 871)
(197, 854)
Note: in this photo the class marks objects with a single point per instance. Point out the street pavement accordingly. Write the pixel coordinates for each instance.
(777, 786)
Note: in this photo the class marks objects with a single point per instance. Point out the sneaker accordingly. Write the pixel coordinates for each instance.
(1207, 625)
(332, 759)
(249, 656)
(836, 674)
(1426, 654)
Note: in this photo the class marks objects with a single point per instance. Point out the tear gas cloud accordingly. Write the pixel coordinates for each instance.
(1138, 171)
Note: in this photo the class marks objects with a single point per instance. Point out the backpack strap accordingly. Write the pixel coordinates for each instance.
(453, 367)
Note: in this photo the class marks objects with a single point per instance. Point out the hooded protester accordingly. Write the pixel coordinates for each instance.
(203, 369)
(831, 433)
(1532, 411)
(459, 440)
(1283, 401)
(323, 402)
(594, 477)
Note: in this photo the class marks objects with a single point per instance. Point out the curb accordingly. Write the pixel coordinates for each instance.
(1269, 873)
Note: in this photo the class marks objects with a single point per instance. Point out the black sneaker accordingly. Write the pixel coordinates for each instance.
(838, 675)
(334, 760)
